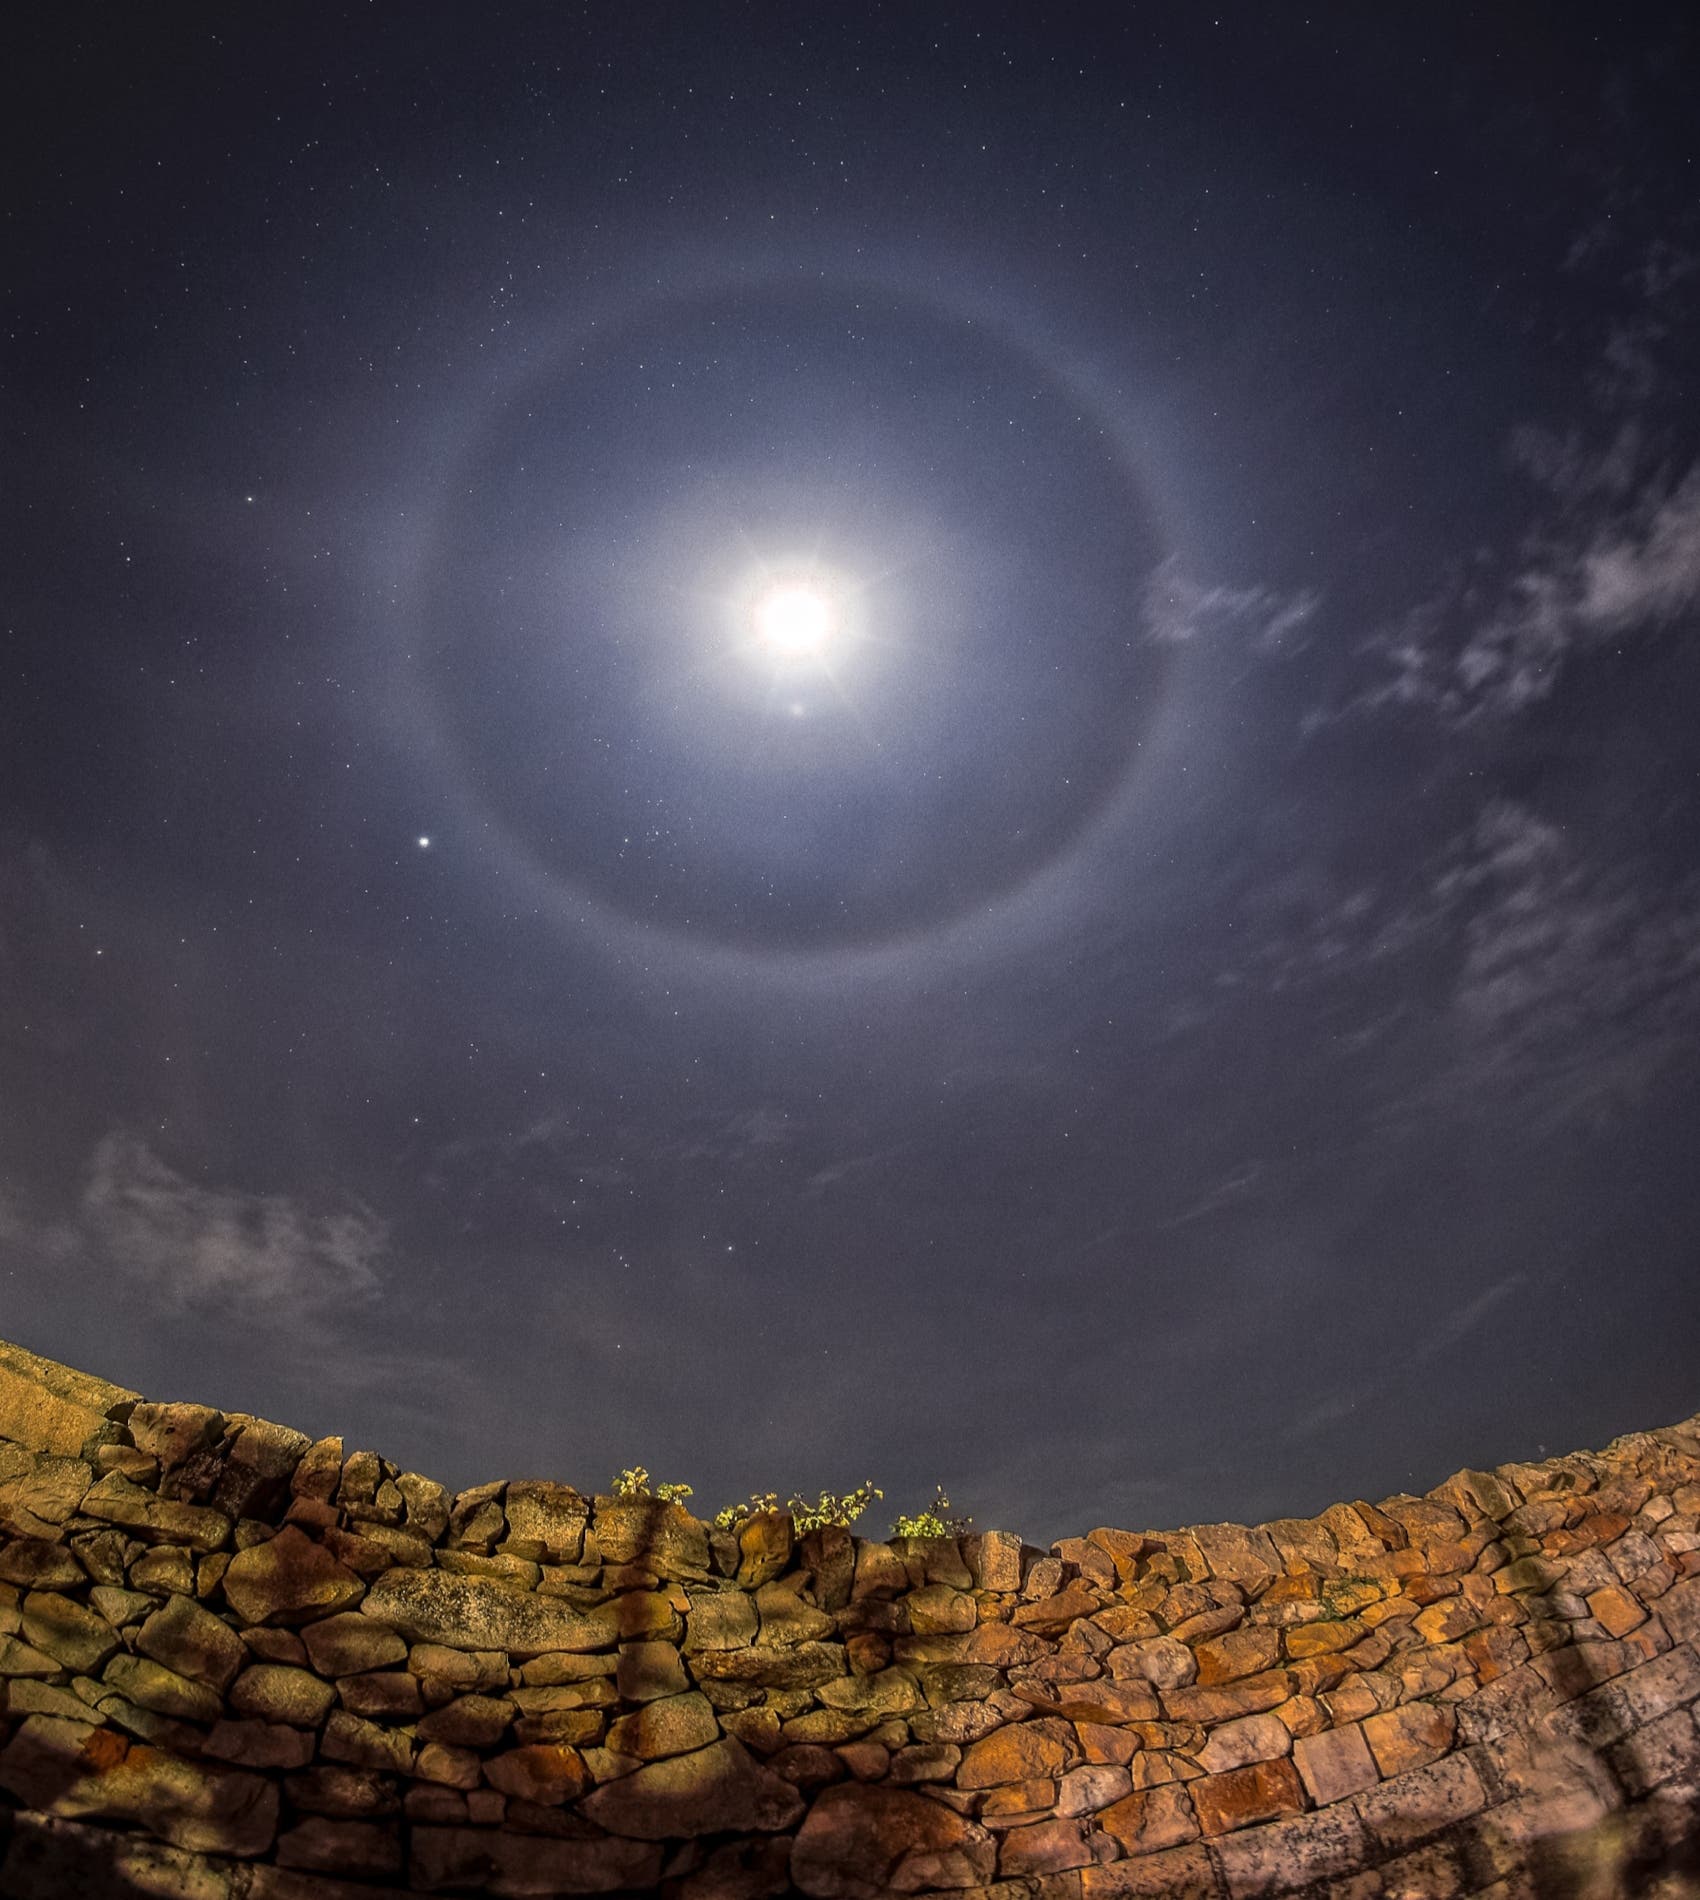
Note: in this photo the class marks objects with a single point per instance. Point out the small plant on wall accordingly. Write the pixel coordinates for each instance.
(935, 1521)
(839, 1508)
(842, 1508)
(634, 1483)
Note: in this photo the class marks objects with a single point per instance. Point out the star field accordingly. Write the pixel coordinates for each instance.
(938, 744)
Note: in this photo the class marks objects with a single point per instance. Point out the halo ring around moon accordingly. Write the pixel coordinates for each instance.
(564, 748)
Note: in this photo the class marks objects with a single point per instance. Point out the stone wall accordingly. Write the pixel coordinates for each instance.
(241, 1665)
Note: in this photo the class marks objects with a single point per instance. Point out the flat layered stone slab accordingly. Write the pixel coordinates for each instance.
(115, 1500)
(49, 1407)
(39, 1490)
(151, 1685)
(483, 1613)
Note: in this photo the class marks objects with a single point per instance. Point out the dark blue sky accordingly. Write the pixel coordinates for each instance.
(1187, 1008)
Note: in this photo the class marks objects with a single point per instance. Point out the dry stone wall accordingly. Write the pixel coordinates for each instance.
(239, 1664)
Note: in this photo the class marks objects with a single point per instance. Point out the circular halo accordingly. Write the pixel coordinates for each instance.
(576, 885)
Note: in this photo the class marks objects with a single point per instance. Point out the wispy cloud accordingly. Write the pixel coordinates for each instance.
(1555, 966)
(1453, 1328)
(1234, 1191)
(612, 1151)
(1179, 609)
(1497, 642)
(288, 1297)
(189, 1244)
(1610, 549)
(182, 1245)
(1457, 1325)
(1574, 969)
(47, 1242)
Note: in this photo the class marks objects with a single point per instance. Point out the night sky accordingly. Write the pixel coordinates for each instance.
(944, 744)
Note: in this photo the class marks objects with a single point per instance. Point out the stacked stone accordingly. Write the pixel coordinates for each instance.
(244, 1665)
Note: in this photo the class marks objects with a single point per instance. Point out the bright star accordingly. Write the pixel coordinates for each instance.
(424, 844)
(794, 621)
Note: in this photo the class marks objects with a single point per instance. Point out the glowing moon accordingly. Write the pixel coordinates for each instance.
(794, 621)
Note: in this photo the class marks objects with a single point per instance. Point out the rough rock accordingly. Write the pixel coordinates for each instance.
(192, 1641)
(546, 1522)
(476, 1860)
(648, 1671)
(172, 1434)
(862, 1843)
(765, 1543)
(319, 1471)
(541, 1709)
(258, 1467)
(994, 1561)
(801, 1666)
(166, 1570)
(78, 1638)
(386, 1695)
(672, 1726)
(785, 1618)
(479, 1613)
(38, 1490)
(471, 1721)
(53, 1859)
(256, 1744)
(1295, 1853)
(289, 1579)
(1335, 1763)
(352, 1793)
(323, 1845)
(448, 1764)
(362, 1744)
(1017, 1753)
(350, 1644)
(719, 1619)
(37, 1563)
(274, 1692)
(150, 1685)
(715, 1790)
(1151, 1819)
(663, 1538)
(66, 1769)
(544, 1772)
(115, 1500)
(1263, 1791)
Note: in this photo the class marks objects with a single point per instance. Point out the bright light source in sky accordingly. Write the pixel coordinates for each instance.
(794, 621)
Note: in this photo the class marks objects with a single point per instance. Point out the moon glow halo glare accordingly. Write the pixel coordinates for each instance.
(930, 721)
(794, 620)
